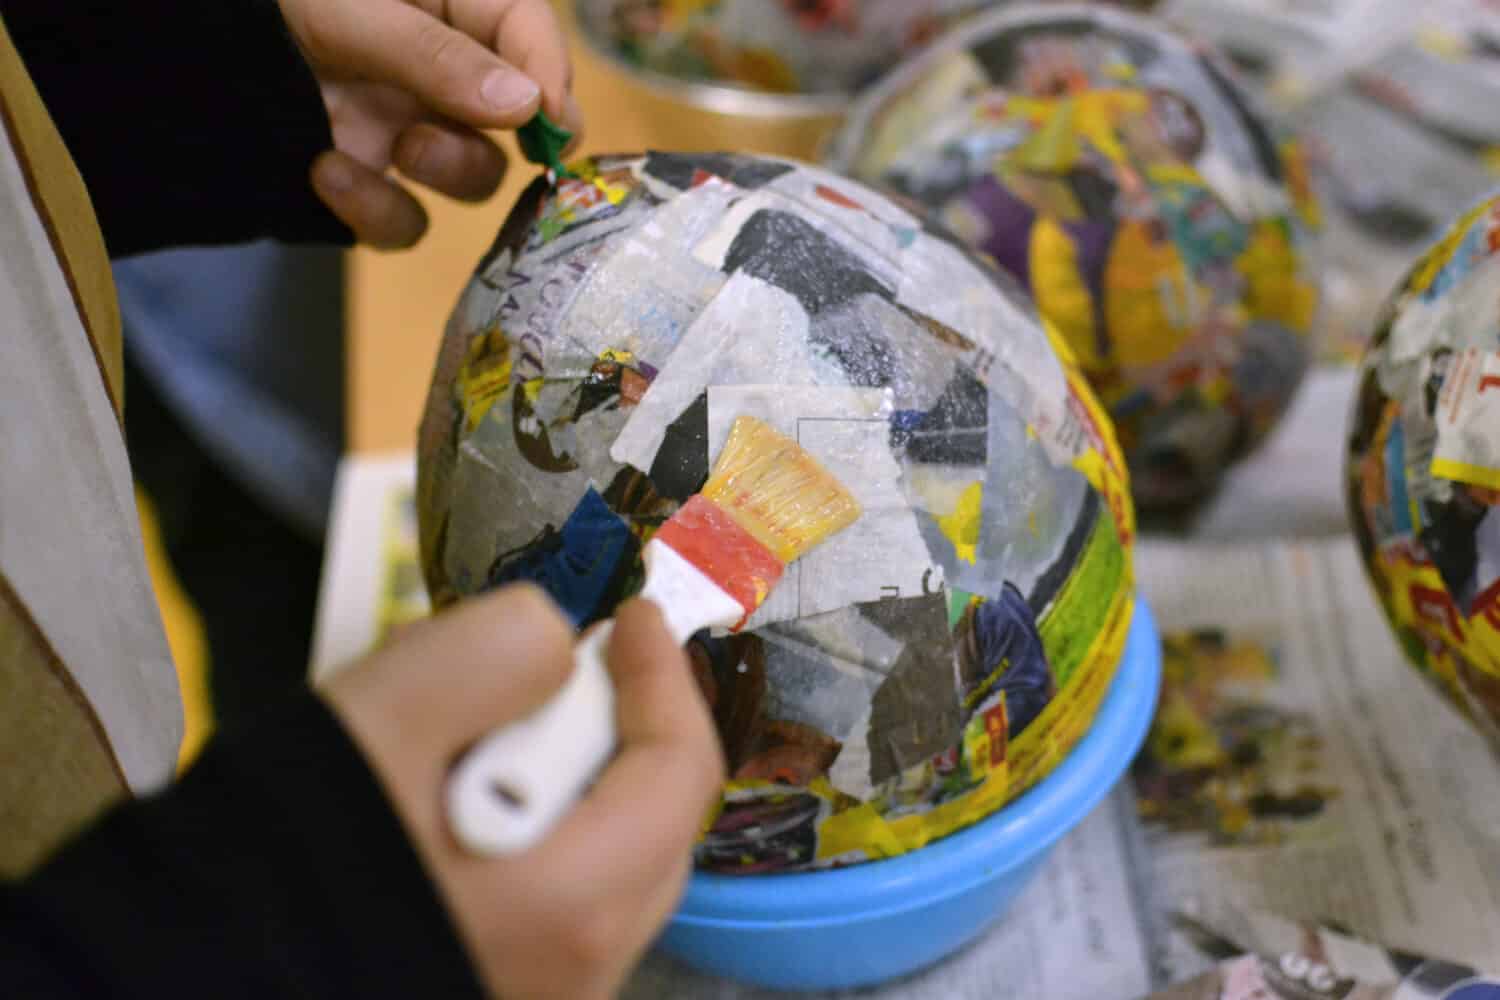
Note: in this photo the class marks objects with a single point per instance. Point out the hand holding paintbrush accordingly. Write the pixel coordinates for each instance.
(713, 563)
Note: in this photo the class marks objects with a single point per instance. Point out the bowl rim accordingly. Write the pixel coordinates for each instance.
(707, 95)
(985, 852)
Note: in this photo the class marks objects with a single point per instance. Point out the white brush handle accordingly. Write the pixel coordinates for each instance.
(514, 786)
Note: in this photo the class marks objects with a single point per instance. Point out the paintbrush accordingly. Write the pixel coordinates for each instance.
(766, 503)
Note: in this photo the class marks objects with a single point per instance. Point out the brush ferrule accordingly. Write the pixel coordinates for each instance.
(688, 599)
(715, 544)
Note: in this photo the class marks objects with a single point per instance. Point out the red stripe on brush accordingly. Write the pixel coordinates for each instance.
(703, 534)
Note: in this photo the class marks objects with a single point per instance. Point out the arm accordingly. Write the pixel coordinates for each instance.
(285, 865)
(191, 122)
(218, 121)
(274, 868)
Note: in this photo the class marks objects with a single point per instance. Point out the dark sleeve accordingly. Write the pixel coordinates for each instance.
(191, 121)
(275, 868)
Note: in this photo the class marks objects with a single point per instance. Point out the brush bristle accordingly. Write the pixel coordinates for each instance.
(776, 491)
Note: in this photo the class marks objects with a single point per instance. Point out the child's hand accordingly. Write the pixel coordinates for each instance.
(408, 83)
(570, 917)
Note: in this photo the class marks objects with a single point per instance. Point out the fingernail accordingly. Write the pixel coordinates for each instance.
(506, 90)
(334, 175)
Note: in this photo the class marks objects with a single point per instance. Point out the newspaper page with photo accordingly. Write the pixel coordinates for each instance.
(1297, 765)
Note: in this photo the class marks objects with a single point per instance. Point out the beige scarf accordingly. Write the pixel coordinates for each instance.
(89, 704)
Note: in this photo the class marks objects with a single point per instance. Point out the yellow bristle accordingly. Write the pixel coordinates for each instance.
(776, 491)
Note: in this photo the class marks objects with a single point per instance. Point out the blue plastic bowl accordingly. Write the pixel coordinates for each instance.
(877, 921)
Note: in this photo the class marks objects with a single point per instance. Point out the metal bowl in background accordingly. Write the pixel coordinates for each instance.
(653, 110)
(798, 58)
(597, 24)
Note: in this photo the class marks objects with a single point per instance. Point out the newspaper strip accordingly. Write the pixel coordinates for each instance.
(1267, 958)
(1359, 798)
(714, 350)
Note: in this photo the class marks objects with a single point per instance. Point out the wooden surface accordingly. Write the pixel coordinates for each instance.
(398, 302)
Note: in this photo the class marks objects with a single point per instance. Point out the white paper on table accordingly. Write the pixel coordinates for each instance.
(1293, 484)
(848, 431)
(1407, 851)
(357, 558)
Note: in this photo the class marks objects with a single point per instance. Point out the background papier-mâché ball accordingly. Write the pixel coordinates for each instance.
(920, 668)
(1424, 463)
(1403, 133)
(1115, 170)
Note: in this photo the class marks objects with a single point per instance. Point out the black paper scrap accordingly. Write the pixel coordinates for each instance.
(916, 712)
(681, 465)
(584, 567)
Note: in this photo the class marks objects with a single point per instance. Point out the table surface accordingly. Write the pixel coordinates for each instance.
(399, 302)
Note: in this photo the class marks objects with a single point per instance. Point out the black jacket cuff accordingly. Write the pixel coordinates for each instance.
(192, 122)
(276, 867)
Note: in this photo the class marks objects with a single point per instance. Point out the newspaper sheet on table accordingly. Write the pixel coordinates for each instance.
(1388, 825)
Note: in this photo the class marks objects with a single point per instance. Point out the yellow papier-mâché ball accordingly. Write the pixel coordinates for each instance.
(1424, 463)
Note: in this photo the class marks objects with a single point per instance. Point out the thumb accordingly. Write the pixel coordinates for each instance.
(396, 43)
(447, 682)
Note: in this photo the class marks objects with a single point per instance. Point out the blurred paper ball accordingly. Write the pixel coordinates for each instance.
(1115, 171)
(919, 669)
(1424, 463)
(1397, 103)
